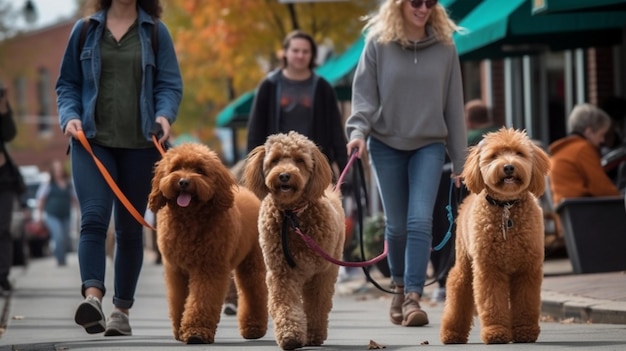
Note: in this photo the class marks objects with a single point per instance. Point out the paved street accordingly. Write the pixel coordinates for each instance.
(40, 316)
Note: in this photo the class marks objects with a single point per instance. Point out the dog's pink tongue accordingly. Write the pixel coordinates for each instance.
(183, 199)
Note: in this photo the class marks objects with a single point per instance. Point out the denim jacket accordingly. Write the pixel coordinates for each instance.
(77, 85)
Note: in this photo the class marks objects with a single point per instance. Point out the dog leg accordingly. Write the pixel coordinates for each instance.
(176, 296)
(458, 312)
(317, 298)
(526, 305)
(286, 310)
(203, 305)
(492, 303)
(252, 303)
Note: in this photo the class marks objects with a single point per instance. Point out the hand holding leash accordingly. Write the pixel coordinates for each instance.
(158, 135)
(357, 145)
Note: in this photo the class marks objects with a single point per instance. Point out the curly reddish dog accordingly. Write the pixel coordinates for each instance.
(499, 243)
(206, 227)
(292, 175)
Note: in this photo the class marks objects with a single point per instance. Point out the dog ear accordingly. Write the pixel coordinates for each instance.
(322, 175)
(253, 177)
(223, 181)
(156, 200)
(541, 165)
(472, 176)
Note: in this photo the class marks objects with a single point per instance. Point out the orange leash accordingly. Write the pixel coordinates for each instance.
(116, 190)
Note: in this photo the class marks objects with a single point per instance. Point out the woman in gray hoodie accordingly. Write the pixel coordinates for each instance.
(407, 105)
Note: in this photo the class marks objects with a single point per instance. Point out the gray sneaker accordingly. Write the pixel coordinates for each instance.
(118, 325)
(89, 315)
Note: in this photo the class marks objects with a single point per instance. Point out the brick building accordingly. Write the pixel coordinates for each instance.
(29, 67)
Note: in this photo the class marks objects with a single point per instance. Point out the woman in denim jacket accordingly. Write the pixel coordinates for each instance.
(115, 85)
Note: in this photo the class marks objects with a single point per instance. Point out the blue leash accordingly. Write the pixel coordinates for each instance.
(450, 219)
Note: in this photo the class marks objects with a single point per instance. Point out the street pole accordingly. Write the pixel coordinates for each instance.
(294, 18)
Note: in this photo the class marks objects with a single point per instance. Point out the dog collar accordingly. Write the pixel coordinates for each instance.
(499, 203)
(507, 222)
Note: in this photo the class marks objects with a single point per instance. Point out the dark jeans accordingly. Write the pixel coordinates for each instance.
(7, 201)
(132, 171)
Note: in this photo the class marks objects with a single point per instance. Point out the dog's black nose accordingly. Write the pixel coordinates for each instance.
(183, 183)
(284, 177)
(509, 169)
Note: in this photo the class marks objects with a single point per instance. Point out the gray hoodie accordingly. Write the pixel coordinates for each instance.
(409, 97)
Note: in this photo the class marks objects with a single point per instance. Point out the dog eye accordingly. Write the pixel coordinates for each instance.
(299, 160)
(200, 171)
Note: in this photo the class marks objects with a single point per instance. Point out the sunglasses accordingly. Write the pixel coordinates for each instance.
(416, 4)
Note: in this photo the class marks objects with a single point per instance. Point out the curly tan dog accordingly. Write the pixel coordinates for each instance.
(292, 177)
(206, 227)
(499, 243)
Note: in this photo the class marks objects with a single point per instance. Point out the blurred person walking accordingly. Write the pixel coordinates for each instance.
(124, 82)
(407, 105)
(294, 97)
(55, 200)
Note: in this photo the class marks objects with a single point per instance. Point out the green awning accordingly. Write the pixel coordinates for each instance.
(236, 111)
(458, 9)
(334, 70)
(338, 67)
(497, 28)
(554, 6)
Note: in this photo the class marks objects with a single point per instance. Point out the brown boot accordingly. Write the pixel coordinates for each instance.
(412, 313)
(395, 312)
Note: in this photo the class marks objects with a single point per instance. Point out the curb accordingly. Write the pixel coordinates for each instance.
(582, 309)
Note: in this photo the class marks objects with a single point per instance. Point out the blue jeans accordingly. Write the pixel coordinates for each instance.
(132, 171)
(408, 183)
(59, 229)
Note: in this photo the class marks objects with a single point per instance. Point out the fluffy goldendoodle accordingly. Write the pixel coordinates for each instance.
(499, 243)
(293, 179)
(206, 227)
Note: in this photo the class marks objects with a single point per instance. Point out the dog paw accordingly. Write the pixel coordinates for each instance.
(316, 337)
(196, 339)
(197, 336)
(451, 337)
(525, 334)
(253, 332)
(496, 335)
(290, 343)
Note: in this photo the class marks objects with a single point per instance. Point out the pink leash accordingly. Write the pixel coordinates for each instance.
(313, 245)
(331, 259)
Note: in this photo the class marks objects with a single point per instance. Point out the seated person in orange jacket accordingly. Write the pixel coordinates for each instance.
(576, 167)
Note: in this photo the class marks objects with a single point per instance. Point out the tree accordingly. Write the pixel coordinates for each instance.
(225, 47)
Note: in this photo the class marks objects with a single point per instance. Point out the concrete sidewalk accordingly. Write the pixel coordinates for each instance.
(39, 314)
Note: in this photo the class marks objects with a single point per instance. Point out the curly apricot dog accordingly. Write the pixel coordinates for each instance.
(499, 243)
(293, 178)
(206, 227)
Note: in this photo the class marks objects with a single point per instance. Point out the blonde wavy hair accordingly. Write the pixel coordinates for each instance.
(388, 24)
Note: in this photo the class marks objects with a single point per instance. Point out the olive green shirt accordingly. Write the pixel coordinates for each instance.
(117, 108)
